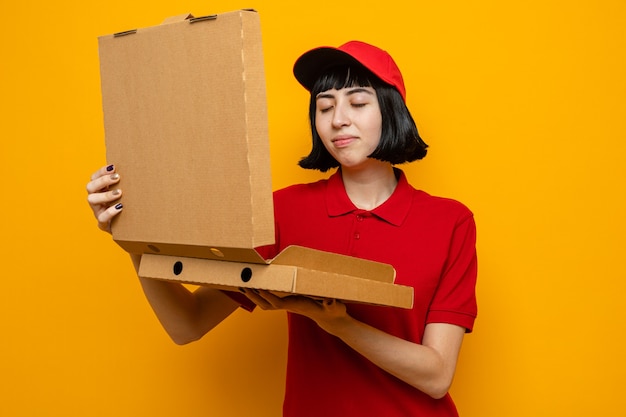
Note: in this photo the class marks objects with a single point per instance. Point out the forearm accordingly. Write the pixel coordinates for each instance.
(186, 316)
(174, 306)
(428, 366)
(430, 369)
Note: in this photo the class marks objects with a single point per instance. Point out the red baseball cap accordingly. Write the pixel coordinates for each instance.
(312, 63)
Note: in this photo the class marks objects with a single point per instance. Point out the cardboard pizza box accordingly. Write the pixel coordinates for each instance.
(186, 125)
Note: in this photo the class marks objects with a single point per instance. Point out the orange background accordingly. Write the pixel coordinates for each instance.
(523, 105)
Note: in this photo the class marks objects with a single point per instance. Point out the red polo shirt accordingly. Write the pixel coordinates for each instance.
(431, 243)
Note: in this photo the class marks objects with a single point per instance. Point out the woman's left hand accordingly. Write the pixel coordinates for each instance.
(323, 311)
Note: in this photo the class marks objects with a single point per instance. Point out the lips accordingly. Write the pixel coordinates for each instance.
(342, 141)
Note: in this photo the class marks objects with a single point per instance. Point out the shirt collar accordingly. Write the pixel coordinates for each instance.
(393, 211)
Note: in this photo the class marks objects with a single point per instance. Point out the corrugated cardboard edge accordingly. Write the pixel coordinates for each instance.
(256, 121)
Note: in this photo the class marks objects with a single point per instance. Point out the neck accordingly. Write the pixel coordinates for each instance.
(369, 188)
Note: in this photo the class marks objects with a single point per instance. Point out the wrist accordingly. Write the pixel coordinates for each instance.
(336, 324)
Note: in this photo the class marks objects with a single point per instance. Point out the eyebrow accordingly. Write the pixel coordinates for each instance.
(351, 91)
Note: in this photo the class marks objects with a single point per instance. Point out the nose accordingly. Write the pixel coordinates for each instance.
(340, 117)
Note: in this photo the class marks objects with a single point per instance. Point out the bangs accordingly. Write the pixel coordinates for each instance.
(342, 77)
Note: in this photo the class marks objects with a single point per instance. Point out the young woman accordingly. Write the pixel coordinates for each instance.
(352, 359)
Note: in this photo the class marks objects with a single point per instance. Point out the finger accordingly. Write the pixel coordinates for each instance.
(269, 296)
(255, 296)
(105, 216)
(96, 199)
(327, 301)
(102, 183)
(109, 169)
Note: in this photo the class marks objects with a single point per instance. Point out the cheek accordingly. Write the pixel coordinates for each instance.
(375, 131)
(322, 128)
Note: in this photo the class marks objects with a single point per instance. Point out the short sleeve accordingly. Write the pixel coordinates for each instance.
(454, 301)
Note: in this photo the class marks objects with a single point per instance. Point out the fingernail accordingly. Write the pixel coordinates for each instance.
(117, 191)
(115, 176)
(110, 168)
(118, 206)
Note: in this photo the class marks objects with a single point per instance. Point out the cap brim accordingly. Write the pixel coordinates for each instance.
(311, 64)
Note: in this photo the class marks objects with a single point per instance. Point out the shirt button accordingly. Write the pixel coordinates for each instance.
(359, 218)
(357, 235)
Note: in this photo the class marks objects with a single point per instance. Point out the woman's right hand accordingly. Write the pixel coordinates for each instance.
(102, 196)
